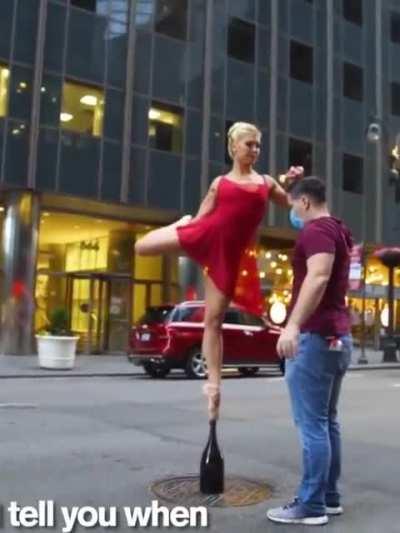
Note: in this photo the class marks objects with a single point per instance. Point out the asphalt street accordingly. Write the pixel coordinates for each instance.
(102, 441)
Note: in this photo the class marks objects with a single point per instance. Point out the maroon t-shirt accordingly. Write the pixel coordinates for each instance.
(325, 235)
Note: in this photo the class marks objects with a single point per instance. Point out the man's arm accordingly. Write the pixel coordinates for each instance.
(208, 203)
(319, 268)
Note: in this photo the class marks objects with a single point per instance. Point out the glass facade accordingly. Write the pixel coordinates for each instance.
(103, 109)
(88, 265)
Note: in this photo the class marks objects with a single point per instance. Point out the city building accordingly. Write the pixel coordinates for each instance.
(113, 118)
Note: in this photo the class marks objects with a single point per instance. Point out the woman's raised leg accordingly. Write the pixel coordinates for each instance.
(161, 240)
(212, 348)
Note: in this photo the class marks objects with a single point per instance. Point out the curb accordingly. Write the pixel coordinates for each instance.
(375, 366)
(66, 374)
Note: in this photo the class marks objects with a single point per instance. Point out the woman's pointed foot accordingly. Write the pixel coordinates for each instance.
(213, 393)
(183, 221)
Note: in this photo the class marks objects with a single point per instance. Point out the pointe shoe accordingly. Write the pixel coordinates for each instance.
(212, 391)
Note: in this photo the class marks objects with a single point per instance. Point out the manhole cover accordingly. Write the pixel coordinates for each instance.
(186, 490)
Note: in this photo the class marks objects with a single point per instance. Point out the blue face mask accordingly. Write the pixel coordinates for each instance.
(295, 220)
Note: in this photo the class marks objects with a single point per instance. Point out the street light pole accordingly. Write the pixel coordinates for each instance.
(363, 358)
(379, 113)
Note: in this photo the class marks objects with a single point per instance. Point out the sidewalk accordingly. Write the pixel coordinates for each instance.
(26, 366)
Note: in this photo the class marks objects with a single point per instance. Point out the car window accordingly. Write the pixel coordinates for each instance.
(252, 320)
(188, 314)
(156, 315)
(232, 316)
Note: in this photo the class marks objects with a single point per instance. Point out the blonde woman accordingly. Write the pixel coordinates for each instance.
(218, 239)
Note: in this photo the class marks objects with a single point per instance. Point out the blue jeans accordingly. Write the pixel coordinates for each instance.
(314, 377)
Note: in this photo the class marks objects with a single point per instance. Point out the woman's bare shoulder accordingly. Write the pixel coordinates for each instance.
(215, 182)
(270, 180)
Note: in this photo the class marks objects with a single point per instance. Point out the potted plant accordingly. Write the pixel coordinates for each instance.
(57, 344)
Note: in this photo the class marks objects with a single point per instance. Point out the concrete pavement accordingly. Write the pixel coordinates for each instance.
(12, 366)
(104, 441)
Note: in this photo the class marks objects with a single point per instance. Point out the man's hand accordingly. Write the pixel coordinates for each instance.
(288, 342)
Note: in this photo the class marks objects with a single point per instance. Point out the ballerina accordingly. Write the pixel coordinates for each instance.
(220, 238)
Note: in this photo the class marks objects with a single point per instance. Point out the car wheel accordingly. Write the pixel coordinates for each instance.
(156, 370)
(249, 371)
(196, 367)
(282, 366)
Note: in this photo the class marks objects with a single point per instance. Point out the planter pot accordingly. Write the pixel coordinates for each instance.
(56, 352)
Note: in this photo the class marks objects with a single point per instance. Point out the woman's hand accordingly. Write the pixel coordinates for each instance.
(292, 175)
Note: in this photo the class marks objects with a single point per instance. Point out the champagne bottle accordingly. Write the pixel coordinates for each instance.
(212, 465)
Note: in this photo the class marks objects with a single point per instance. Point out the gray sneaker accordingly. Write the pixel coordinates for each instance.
(334, 510)
(294, 513)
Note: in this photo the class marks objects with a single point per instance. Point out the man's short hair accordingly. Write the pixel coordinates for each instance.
(310, 186)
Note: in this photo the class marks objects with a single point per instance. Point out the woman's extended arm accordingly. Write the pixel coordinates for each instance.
(278, 194)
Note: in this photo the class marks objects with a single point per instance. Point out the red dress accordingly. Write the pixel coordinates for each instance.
(223, 241)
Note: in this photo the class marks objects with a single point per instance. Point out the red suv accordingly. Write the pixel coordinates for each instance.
(169, 336)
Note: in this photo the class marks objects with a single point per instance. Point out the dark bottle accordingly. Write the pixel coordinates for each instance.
(212, 465)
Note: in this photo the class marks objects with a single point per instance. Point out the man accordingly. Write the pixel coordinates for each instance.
(316, 345)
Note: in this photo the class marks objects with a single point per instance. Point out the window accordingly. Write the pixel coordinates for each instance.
(353, 81)
(352, 11)
(165, 127)
(188, 314)
(395, 108)
(232, 317)
(156, 315)
(301, 62)
(82, 109)
(89, 5)
(4, 90)
(252, 320)
(171, 18)
(241, 40)
(101, 7)
(395, 27)
(300, 153)
(352, 174)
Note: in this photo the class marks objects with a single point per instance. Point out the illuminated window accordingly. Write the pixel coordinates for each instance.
(82, 109)
(4, 88)
(165, 127)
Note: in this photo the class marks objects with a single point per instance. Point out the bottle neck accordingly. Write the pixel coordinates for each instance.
(213, 429)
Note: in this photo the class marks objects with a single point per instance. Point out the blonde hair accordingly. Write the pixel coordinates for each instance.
(237, 130)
